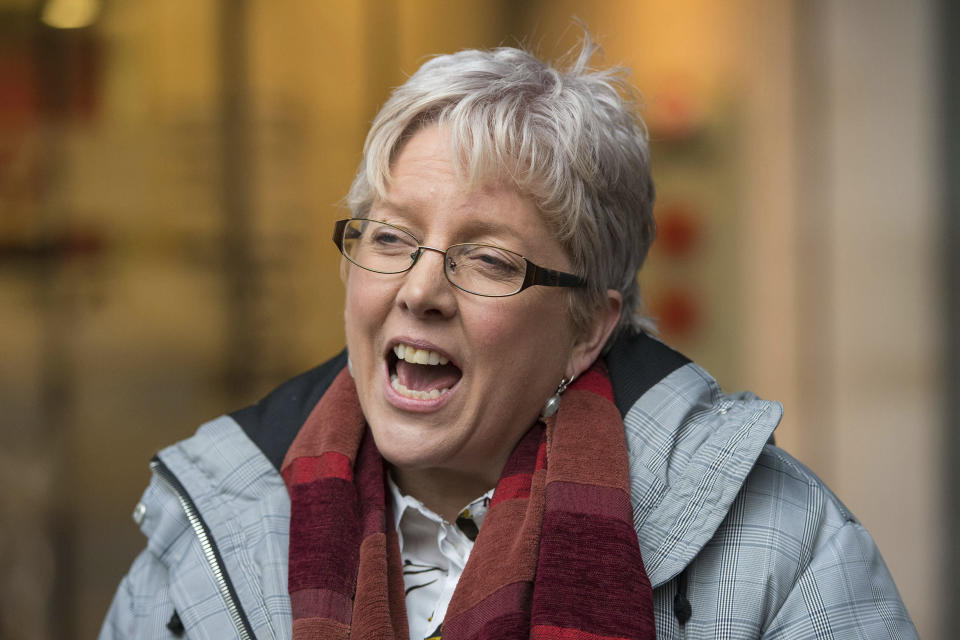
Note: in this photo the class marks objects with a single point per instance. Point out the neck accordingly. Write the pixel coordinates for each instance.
(443, 491)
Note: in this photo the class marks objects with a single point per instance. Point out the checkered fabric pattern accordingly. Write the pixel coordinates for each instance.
(767, 550)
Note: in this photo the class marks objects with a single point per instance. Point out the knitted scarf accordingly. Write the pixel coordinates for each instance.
(556, 559)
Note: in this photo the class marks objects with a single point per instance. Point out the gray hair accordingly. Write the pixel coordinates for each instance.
(570, 139)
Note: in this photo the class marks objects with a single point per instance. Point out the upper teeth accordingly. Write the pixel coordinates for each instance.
(418, 356)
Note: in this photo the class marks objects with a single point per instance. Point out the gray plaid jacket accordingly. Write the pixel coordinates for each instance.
(739, 539)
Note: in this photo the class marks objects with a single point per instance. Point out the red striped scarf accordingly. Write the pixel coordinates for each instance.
(556, 559)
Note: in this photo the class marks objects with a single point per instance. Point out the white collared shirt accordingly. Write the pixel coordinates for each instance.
(434, 553)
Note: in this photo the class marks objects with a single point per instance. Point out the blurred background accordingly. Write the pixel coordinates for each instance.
(170, 171)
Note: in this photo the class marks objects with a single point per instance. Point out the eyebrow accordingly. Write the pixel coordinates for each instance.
(471, 228)
(481, 227)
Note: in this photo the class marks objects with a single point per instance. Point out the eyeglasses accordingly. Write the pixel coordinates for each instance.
(481, 269)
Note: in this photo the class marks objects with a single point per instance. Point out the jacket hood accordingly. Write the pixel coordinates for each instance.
(691, 448)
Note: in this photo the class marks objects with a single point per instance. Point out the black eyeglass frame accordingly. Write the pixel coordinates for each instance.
(535, 275)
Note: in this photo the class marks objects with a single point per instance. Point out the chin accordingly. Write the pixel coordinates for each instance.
(411, 452)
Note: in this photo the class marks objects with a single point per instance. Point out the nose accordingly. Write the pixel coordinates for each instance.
(425, 291)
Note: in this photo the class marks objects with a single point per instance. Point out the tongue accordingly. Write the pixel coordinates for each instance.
(427, 377)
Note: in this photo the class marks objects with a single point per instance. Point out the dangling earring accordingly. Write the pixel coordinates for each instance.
(350, 366)
(552, 405)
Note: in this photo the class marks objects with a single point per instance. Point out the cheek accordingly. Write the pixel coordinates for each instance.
(366, 293)
(365, 305)
(494, 325)
(520, 337)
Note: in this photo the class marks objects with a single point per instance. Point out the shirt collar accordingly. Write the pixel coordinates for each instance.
(476, 510)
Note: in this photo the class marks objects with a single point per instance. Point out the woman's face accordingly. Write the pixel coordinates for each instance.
(506, 355)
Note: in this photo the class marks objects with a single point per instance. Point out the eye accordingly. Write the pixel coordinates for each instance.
(384, 239)
(493, 262)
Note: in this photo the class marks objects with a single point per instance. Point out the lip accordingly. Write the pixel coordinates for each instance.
(415, 405)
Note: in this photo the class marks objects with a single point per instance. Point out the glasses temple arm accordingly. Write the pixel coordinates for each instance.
(550, 278)
(338, 233)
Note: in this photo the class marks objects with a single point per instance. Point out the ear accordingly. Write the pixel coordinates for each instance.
(344, 268)
(588, 345)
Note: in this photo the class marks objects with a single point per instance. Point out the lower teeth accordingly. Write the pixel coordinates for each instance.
(414, 393)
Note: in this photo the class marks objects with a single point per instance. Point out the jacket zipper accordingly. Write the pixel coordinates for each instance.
(209, 548)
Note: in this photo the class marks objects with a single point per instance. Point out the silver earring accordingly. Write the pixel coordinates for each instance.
(552, 405)
(350, 366)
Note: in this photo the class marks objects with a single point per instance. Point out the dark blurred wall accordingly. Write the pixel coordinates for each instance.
(949, 49)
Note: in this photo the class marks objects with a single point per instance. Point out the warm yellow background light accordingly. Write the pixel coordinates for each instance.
(70, 14)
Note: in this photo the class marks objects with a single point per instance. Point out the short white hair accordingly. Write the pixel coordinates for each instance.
(570, 139)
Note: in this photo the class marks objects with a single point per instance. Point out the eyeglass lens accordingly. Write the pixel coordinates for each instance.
(476, 268)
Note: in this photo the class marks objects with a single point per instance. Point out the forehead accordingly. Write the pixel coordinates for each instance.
(427, 190)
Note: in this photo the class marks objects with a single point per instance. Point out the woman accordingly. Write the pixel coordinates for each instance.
(427, 483)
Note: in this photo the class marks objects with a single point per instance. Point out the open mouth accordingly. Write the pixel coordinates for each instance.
(421, 374)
